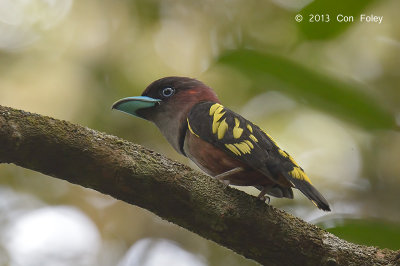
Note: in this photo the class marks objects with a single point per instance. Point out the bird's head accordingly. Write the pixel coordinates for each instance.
(166, 97)
(167, 102)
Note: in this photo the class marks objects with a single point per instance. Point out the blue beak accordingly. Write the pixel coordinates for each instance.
(130, 105)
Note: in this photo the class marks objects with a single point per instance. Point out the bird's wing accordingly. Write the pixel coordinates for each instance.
(248, 143)
(240, 138)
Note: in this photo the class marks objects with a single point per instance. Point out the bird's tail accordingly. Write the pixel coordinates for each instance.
(311, 193)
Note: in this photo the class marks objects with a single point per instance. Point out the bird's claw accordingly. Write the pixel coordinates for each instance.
(225, 183)
(265, 199)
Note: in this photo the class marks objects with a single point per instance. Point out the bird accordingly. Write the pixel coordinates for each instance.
(219, 141)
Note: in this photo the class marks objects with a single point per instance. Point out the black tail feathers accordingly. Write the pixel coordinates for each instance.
(311, 193)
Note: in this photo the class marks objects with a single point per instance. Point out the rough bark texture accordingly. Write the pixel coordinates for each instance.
(174, 192)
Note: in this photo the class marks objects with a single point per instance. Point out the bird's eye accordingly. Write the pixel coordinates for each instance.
(167, 92)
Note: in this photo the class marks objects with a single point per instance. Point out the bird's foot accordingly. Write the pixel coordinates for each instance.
(264, 197)
(225, 183)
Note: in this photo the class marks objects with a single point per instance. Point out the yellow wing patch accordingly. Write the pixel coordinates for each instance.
(249, 144)
(190, 128)
(285, 154)
(293, 161)
(240, 148)
(250, 128)
(216, 110)
(253, 138)
(299, 174)
(269, 136)
(214, 107)
(233, 149)
(237, 131)
(243, 147)
(222, 128)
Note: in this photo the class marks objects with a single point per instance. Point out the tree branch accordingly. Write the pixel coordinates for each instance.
(174, 192)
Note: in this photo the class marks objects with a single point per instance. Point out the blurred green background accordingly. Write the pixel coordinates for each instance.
(328, 93)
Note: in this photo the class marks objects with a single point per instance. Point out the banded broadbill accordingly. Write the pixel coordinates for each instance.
(221, 142)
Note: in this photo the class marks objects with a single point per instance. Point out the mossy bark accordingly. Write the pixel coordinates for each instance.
(174, 192)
